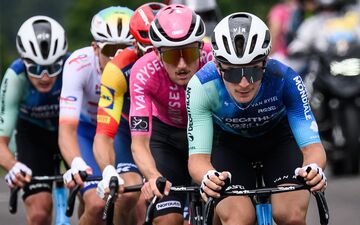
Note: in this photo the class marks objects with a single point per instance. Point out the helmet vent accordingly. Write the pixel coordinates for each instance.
(144, 34)
(226, 44)
(108, 30)
(266, 40)
(44, 48)
(33, 48)
(55, 47)
(213, 42)
(201, 28)
(154, 36)
(100, 34)
(20, 44)
(253, 43)
(65, 44)
(239, 45)
(119, 26)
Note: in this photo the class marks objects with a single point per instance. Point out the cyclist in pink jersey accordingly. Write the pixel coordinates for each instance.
(158, 117)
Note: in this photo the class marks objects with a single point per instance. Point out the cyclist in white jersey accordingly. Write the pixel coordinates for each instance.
(79, 100)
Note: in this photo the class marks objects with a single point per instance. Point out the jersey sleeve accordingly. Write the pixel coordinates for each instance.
(72, 91)
(11, 91)
(140, 101)
(301, 118)
(200, 123)
(113, 89)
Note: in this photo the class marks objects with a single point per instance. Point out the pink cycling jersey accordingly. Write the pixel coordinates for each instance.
(154, 94)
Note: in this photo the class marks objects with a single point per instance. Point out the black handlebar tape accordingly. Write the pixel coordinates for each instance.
(113, 186)
(160, 184)
(72, 195)
(13, 200)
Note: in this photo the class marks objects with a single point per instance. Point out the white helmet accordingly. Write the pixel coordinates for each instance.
(112, 25)
(241, 38)
(42, 40)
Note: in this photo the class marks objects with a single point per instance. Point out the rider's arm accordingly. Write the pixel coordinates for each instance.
(70, 105)
(11, 91)
(302, 120)
(314, 153)
(68, 141)
(140, 146)
(200, 130)
(7, 160)
(113, 89)
(305, 131)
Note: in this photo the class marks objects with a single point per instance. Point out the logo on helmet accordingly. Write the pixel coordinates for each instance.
(43, 36)
(143, 16)
(175, 32)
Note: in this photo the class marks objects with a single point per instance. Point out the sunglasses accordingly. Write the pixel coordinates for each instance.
(38, 71)
(172, 56)
(110, 50)
(234, 75)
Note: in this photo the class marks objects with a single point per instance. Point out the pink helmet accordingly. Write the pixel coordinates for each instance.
(176, 25)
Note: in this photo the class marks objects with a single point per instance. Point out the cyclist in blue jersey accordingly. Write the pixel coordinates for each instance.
(29, 103)
(245, 107)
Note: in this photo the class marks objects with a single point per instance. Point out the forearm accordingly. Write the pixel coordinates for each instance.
(144, 159)
(314, 153)
(7, 160)
(68, 144)
(104, 150)
(198, 165)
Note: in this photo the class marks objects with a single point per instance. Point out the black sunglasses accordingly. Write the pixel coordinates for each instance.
(234, 75)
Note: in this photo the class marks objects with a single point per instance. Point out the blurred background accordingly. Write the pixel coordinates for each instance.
(75, 16)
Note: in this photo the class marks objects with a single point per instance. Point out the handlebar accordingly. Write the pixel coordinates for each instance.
(160, 184)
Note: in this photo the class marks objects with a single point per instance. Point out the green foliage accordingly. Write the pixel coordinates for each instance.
(76, 15)
(77, 20)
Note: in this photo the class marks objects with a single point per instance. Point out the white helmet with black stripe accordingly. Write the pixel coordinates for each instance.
(42, 40)
(241, 38)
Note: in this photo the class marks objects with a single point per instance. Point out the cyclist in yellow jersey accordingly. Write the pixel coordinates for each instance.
(112, 115)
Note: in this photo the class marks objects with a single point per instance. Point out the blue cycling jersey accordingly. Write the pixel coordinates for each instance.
(282, 93)
(18, 97)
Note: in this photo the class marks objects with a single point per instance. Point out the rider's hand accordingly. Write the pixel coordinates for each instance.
(72, 176)
(149, 189)
(18, 175)
(212, 183)
(103, 186)
(315, 178)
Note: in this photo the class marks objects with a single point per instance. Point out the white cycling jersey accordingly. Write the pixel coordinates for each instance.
(81, 87)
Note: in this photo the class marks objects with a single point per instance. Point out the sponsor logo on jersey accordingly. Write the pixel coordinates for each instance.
(304, 98)
(103, 119)
(78, 59)
(68, 100)
(139, 123)
(106, 97)
(190, 120)
(3, 94)
(314, 127)
(168, 204)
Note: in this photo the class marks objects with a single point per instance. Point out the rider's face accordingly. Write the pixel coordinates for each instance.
(43, 84)
(181, 63)
(244, 90)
